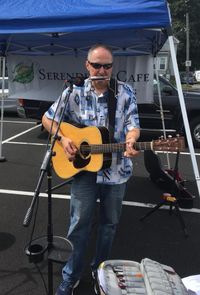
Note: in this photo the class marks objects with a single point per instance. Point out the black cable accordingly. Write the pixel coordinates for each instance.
(34, 223)
(53, 119)
(42, 277)
(30, 242)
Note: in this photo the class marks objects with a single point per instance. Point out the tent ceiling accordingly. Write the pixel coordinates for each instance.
(134, 42)
(67, 27)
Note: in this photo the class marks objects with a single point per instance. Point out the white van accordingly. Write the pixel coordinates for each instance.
(5, 86)
(9, 104)
(197, 76)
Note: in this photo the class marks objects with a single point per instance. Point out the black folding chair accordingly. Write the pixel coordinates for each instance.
(174, 193)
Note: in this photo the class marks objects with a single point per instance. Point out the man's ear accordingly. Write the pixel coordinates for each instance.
(87, 65)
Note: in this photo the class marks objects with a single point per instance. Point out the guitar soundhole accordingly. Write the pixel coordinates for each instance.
(82, 158)
(84, 150)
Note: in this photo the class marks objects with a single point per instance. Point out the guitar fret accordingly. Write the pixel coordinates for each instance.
(115, 147)
(143, 145)
(120, 147)
(106, 148)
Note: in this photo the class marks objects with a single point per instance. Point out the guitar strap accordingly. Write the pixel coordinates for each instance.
(112, 103)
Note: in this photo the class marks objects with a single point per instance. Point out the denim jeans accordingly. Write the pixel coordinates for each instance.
(84, 194)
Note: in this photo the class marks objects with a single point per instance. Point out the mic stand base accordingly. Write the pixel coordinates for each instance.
(2, 159)
(59, 251)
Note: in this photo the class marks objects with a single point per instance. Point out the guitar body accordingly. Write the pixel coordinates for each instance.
(84, 161)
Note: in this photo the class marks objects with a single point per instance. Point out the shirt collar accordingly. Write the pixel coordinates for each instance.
(89, 87)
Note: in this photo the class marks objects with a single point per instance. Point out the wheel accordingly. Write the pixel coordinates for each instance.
(195, 131)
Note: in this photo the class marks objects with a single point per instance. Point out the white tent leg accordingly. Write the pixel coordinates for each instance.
(184, 113)
(2, 71)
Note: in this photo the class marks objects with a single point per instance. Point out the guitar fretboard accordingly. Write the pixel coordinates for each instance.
(113, 147)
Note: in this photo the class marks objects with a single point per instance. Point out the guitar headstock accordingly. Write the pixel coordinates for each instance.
(170, 144)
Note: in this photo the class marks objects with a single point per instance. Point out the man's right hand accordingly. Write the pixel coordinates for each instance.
(69, 148)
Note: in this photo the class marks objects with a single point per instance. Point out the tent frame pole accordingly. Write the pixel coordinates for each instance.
(2, 72)
(161, 109)
(184, 112)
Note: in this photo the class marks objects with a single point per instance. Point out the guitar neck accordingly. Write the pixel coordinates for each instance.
(114, 147)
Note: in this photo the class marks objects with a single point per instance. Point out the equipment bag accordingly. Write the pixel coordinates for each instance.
(121, 277)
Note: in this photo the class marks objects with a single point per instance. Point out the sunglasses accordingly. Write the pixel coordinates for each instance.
(97, 66)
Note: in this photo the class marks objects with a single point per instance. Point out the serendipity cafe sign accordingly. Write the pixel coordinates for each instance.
(43, 77)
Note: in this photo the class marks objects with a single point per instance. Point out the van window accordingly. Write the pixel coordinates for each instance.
(162, 85)
(5, 83)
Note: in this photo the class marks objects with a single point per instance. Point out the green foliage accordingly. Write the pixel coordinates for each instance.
(178, 10)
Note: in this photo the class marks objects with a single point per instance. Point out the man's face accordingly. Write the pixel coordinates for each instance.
(96, 59)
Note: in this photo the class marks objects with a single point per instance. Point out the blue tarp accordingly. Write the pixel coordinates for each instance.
(71, 26)
(36, 16)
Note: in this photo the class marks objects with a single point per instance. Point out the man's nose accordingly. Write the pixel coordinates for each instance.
(101, 70)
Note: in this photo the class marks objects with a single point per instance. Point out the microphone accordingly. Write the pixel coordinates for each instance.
(77, 81)
(97, 78)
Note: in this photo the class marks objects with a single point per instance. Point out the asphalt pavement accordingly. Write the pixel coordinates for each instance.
(159, 237)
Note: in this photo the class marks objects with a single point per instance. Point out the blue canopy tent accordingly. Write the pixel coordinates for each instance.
(61, 27)
(66, 27)
(81, 15)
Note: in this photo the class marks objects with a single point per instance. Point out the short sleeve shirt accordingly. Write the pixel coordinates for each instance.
(85, 107)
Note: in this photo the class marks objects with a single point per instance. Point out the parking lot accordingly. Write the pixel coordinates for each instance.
(159, 237)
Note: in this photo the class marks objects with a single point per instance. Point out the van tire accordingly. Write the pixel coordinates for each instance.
(195, 131)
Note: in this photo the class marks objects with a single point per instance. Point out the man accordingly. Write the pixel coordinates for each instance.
(88, 105)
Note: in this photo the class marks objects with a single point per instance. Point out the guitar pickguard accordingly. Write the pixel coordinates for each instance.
(107, 157)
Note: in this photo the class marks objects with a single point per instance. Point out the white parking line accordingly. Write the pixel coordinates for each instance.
(125, 203)
(43, 144)
(31, 194)
(20, 122)
(181, 153)
(59, 196)
(27, 143)
(22, 133)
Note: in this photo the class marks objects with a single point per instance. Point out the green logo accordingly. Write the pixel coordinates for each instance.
(23, 73)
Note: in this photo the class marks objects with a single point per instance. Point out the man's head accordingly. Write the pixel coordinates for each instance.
(99, 61)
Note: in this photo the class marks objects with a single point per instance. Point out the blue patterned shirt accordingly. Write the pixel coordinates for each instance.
(85, 107)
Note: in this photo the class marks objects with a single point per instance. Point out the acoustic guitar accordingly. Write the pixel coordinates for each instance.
(95, 151)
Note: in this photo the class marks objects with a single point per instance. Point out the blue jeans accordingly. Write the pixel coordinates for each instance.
(84, 194)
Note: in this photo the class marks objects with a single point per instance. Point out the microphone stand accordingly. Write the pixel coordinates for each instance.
(59, 248)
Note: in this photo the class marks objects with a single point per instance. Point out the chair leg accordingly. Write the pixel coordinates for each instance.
(182, 222)
(172, 202)
(153, 210)
(171, 208)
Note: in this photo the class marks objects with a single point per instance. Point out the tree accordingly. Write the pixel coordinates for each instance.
(178, 11)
